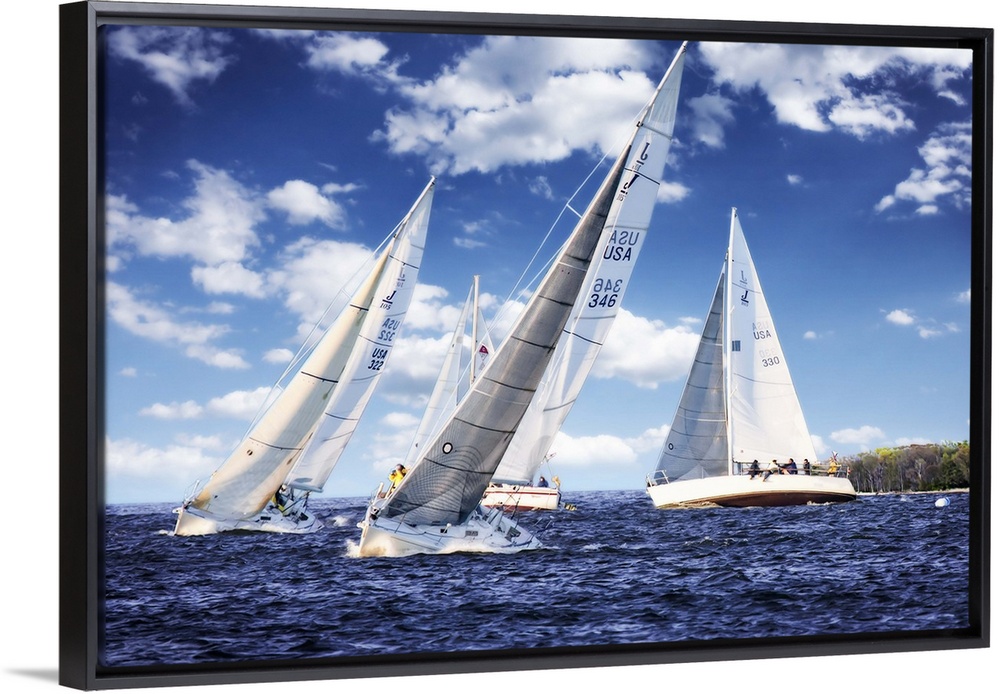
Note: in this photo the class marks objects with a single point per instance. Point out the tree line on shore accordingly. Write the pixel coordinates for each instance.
(916, 468)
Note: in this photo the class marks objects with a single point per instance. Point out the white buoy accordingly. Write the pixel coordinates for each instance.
(941, 503)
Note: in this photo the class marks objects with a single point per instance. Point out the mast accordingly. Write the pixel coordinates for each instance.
(727, 342)
(475, 332)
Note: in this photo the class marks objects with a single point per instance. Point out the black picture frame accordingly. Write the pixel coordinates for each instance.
(80, 430)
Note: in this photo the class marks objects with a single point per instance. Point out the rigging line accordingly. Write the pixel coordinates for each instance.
(618, 145)
(308, 342)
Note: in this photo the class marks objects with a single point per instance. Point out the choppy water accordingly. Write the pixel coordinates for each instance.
(615, 571)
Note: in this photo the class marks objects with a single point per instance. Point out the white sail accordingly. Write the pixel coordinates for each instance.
(698, 443)
(607, 280)
(446, 484)
(261, 463)
(766, 420)
(450, 385)
(380, 327)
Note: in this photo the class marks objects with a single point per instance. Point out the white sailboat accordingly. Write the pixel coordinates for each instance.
(290, 451)
(513, 485)
(437, 505)
(739, 406)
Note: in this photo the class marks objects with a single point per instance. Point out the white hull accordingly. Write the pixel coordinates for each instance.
(489, 532)
(777, 490)
(192, 521)
(517, 498)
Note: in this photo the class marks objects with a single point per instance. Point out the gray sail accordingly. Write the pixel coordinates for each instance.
(698, 445)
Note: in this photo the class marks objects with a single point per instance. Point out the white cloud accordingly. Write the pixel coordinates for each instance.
(304, 203)
(155, 323)
(278, 355)
(229, 278)
(862, 436)
(175, 410)
(645, 352)
(810, 335)
(964, 297)
(821, 88)
(505, 103)
(239, 404)
(218, 228)
(946, 176)
(712, 113)
(313, 273)
(347, 54)
(669, 192)
(175, 57)
(901, 317)
(176, 463)
(794, 180)
(925, 327)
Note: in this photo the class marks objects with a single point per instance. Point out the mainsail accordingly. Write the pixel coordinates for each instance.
(766, 420)
(739, 403)
(299, 438)
(447, 482)
(608, 278)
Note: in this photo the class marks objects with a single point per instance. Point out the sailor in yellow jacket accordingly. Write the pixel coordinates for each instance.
(396, 476)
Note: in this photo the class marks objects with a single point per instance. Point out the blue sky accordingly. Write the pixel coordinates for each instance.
(249, 173)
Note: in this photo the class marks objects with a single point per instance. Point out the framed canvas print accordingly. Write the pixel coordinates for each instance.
(419, 342)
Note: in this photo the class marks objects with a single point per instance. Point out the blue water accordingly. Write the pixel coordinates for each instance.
(615, 571)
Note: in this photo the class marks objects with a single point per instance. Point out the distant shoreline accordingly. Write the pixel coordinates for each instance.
(961, 490)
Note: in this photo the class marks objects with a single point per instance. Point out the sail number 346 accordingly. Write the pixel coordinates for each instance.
(605, 293)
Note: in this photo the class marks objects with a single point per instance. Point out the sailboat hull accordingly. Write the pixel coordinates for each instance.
(191, 521)
(777, 490)
(522, 498)
(491, 532)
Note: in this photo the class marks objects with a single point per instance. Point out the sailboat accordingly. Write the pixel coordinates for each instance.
(739, 407)
(437, 507)
(469, 350)
(292, 448)
(513, 485)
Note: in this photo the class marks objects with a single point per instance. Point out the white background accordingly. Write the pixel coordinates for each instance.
(30, 417)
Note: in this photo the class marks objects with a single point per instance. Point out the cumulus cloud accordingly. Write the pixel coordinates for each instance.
(177, 463)
(238, 404)
(823, 88)
(313, 274)
(218, 226)
(229, 278)
(153, 322)
(944, 179)
(669, 192)
(645, 352)
(174, 57)
(504, 103)
(862, 436)
(925, 327)
(279, 355)
(304, 203)
(901, 317)
(712, 113)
